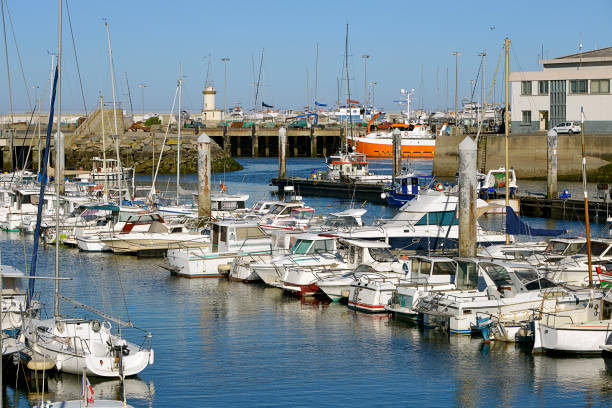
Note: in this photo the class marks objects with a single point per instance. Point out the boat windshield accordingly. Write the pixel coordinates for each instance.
(555, 247)
(335, 221)
(444, 268)
(301, 247)
(498, 274)
(529, 277)
(277, 209)
(382, 255)
(597, 248)
(323, 245)
(363, 268)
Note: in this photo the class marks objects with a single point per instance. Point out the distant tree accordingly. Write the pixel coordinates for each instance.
(153, 120)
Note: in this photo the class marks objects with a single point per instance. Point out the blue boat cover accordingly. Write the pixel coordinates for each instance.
(515, 226)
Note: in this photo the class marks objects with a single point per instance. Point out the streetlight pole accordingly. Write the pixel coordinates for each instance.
(225, 60)
(365, 79)
(483, 54)
(373, 84)
(456, 54)
(142, 87)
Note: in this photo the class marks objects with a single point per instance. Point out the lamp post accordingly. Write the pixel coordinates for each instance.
(365, 79)
(373, 84)
(142, 87)
(456, 54)
(225, 61)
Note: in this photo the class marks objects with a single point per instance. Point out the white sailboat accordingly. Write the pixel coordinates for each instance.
(78, 345)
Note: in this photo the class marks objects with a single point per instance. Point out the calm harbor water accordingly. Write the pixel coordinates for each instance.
(221, 343)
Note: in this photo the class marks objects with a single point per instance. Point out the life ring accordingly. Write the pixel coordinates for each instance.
(438, 186)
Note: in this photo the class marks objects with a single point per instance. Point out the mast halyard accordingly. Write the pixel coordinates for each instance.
(104, 151)
(506, 127)
(112, 72)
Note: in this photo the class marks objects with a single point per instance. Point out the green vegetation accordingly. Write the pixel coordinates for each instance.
(153, 120)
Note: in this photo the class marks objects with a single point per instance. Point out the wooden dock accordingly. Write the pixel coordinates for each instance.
(570, 209)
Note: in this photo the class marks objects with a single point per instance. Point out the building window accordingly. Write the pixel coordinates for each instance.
(578, 86)
(542, 87)
(525, 87)
(600, 86)
(526, 118)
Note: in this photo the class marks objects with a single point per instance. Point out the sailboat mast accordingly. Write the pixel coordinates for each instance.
(316, 78)
(586, 199)
(348, 90)
(178, 143)
(507, 127)
(104, 151)
(112, 72)
(58, 154)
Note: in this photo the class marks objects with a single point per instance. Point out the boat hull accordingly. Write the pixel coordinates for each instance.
(383, 147)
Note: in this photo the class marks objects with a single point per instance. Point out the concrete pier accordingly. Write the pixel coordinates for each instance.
(204, 176)
(551, 176)
(467, 198)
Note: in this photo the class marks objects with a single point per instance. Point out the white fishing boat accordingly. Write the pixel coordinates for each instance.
(426, 274)
(229, 239)
(370, 258)
(492, 189)
(14, 301)
(354, 167)
(506, 291)
(426, 223)
(158, 237)
(574, 269)
(373, 294)
(583, 330)
(312, 251)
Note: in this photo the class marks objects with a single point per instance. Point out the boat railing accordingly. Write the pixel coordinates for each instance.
(554, 315)
(380, 279)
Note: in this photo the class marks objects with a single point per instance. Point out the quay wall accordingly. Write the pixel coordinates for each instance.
(528, 156)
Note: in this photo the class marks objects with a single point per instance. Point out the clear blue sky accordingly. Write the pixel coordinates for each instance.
(150, 38)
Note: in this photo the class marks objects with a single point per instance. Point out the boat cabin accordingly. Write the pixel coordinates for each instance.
(493, 185)
(238, 236)
(139, 222)
(372, 253)
(432, 269)
(561, 247)
(228, 202)
(12, 282)
(311, 244)
(345, 219)
(504, 280)
(352, 165)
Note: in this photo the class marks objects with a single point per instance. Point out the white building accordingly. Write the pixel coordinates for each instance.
(543, 99)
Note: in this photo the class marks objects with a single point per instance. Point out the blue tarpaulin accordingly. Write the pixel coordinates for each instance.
(515, 226)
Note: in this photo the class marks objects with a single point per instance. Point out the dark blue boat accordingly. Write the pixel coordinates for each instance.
(406, 188)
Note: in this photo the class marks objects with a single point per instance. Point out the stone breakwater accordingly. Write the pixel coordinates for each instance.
(137, 149)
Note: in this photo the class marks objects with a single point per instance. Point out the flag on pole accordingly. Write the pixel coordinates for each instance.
(87, 390)
(352, 101)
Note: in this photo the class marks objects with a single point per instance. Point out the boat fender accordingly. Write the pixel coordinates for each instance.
(225, 268)
(383, 195)
(151, 357)
(95, 326)
(106, 326)
(438, 186)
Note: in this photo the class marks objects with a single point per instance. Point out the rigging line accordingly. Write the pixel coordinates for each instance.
(484, 107)
(25, 82)
(75, 57)
(161, 152)
(8, 72)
